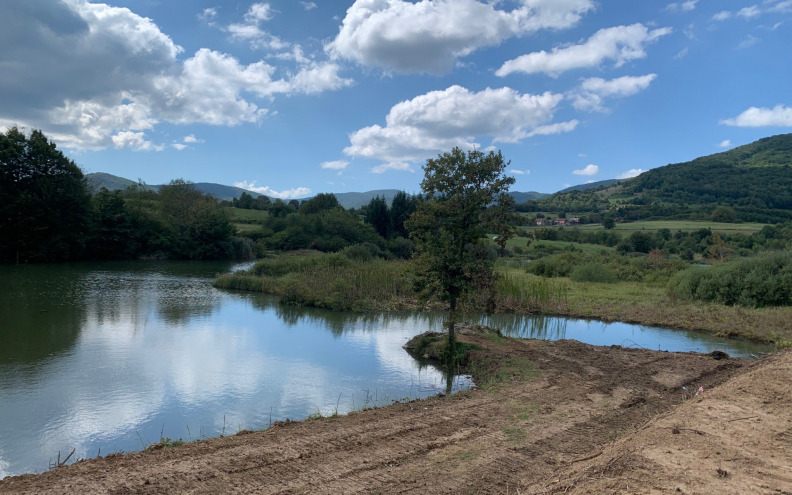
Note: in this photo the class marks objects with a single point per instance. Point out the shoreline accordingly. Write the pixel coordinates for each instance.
(540, 409)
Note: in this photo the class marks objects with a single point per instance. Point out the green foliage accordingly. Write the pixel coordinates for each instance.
(320, 202)
(754, 282)
(44, 206)
(466, 197)
(377, 216)
(624, 268)
(593, 272)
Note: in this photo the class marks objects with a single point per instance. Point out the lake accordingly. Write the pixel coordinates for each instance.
(108, 357)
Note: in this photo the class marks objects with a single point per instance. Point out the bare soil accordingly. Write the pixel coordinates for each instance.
(546, 417)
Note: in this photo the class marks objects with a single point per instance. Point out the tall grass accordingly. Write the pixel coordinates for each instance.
(530, 294)
(329, 281)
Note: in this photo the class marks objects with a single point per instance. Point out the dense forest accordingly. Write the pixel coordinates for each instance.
(49, 213)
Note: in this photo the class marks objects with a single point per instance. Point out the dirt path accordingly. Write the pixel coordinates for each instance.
(545, 414)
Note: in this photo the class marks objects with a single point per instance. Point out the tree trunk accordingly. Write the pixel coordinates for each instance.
(451, 324)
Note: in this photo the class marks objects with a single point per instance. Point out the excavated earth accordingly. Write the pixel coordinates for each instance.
(546, 417)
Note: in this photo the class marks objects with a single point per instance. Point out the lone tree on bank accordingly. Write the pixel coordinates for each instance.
(465, 199)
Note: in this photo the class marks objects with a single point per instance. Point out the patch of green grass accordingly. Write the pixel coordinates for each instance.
(514, 434)
(240, 215)
(683, 225)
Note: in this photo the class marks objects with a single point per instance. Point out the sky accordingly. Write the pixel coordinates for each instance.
(293, 98)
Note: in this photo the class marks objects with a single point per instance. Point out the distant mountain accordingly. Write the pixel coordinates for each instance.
(522, 197)
(99, 180)
(590, 185)
(357, 199)
(222, 192)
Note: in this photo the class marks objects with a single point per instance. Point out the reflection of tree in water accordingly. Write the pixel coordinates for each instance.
(38, 314)
(527, 327)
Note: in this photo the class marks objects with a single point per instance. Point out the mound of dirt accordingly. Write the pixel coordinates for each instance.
(545, 417)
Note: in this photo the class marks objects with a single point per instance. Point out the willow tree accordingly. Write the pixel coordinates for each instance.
(465, 200)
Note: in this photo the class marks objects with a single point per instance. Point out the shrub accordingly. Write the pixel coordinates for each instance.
(754, 282)
(593, 272)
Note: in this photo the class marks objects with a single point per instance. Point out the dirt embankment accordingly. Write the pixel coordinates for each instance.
(547, 417)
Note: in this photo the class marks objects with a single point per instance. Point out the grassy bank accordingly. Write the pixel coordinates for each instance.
(342, 284)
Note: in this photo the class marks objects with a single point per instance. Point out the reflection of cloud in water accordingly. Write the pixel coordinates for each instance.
(3, 466)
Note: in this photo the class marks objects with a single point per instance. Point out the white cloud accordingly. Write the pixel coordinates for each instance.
(384, 167)
(722, 15)
(725, 144)
(318, 77)
(335, 165)
(250, 29)
(779, 116)
(749, 12)
(208, 15)
(519, 172)
(192, 139)
(430, 35)
(91, 72)
(308, 5)
(620, 44)
(749, 41)
(179, 146)
(594, 90)
(682, 7)
(633, 172)
(135, 141)
(439, 120)
(590, 169)
(297, 192)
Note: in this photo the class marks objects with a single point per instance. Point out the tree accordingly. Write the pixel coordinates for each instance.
(44, 204)
(608, 223)
(401, 208)
(450, 226)
(320, 202)
(377, 216)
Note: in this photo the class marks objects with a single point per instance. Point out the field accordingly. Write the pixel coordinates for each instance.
(683, 225)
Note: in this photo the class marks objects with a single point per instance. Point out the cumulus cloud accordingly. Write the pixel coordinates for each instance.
(439, 120)
(297, 192)
(594, 90)
(633, 172)
(136, 141)
(619, 44)
(726, 143)
(519, 172)
(589, 169)
(779, 116)
(335, 165)
(430, 35)
(90, 72)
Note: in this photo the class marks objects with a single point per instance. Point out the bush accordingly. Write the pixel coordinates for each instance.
(754, 282)
(593, 272)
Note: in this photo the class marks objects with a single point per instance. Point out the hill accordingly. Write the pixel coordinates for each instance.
(751, 183)
(111, 182)
(590, 185)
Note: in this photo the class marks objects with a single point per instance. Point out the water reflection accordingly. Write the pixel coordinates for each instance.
(110, 355)
(144, 349)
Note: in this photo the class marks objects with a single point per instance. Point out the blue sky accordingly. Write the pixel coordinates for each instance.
(293, 98)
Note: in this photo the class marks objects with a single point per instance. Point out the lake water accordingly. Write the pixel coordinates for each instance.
(113, 356)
